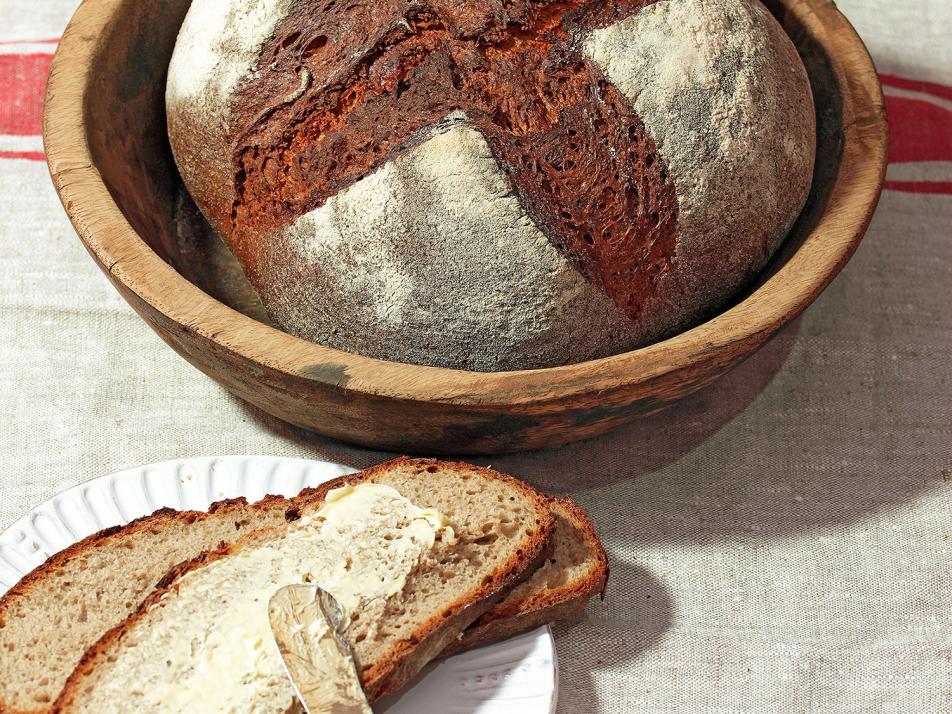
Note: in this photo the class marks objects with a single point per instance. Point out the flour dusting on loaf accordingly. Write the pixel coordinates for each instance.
(219, 46)
(492, 186)
(491, 273)
(720, 88)
(217, 49)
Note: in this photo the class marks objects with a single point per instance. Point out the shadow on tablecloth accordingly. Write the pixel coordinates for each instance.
(694, 418)
(584, 669)
(635, 451)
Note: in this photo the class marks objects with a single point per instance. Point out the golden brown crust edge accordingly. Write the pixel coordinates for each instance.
(410, 655)
(37, 577)
(28, 581)
(562, 603)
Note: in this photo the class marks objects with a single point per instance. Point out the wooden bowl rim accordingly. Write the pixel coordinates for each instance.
(131, 263)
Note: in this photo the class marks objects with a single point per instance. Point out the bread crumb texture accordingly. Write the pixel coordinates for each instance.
(426, 549)
(207, 643)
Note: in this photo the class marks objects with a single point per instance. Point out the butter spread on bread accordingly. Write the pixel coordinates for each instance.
(101, 582)
(308, 623)
(215, 639)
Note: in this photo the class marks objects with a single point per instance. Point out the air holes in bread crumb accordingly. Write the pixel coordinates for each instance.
(314, 46)
(290, 40)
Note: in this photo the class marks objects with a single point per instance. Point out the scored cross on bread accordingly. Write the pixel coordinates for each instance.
(59, 610)
(529, 91)
(492, 184)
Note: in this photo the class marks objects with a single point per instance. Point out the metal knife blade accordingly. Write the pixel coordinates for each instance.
(307, 625)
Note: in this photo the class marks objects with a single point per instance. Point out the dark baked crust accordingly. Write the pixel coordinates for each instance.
(660, 165)
(575, 153)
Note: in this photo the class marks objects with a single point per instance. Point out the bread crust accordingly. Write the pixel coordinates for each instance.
(638, 163)
(502, 619)
(57, 560)
(409, 655)
(38, 578)
(562, 603)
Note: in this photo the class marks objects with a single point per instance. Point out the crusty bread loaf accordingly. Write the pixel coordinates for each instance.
(55, 613)
(492, 185)
(501, 527)
(575, 571)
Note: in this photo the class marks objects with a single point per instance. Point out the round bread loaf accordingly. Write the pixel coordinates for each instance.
(492, 184)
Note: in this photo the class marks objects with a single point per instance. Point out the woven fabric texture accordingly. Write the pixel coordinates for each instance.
(781, 542)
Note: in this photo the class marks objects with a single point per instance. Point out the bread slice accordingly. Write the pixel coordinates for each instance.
(574, 572)
(50, 618)
(502, 528)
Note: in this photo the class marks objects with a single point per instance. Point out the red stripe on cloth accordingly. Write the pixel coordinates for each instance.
(917, 85)
(51, 40)
(28, 155)
(22, 83)
(933, 187)
(918, 130)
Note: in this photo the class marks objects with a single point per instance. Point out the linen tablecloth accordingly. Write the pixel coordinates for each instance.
(781, 542)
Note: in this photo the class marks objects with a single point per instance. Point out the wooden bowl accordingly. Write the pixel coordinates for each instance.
(111, 164)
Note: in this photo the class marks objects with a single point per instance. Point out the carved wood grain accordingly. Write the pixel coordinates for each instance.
(110, 162)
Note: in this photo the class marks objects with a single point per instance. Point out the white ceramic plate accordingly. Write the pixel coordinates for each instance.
(518, 676)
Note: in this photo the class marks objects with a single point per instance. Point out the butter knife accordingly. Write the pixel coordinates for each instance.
(307, 625)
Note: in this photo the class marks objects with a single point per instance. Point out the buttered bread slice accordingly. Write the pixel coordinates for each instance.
(52, 616)
(413, 550)
(57, 611)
